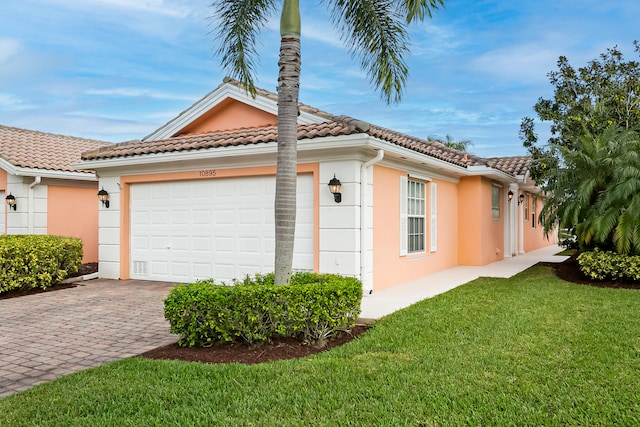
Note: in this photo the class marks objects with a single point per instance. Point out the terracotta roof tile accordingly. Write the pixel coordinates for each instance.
(516, 165)
(334, 126)
(39, 150)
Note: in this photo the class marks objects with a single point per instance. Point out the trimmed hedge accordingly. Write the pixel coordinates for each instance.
(37, 261)
(312, 308)
(600, 265)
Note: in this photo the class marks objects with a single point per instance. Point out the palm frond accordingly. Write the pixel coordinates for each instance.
(375, 32)
(416, 10)
(238, 23)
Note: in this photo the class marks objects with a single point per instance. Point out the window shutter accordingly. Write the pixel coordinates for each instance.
(403, 215)
(434, 217)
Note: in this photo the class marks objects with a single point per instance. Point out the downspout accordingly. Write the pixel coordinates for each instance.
(30, 213)
(368, 288)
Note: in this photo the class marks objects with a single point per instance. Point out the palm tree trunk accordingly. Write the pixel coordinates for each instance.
(286, 169)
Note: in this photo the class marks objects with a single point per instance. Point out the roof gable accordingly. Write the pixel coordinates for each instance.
(200, 116)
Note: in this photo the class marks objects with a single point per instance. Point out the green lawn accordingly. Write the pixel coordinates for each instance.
(531, 350)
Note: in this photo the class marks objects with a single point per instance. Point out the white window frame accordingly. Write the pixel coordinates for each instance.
(495, 201)
(415, 208)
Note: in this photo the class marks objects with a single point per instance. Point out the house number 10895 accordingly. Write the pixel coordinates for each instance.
(207, 173)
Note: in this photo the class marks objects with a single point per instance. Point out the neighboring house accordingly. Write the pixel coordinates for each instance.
(195, 198)
(50, 196)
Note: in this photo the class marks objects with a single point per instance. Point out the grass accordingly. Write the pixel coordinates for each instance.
(530, 350)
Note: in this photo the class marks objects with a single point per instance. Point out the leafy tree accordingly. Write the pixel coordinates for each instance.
(590, 159)
(375, 32)
(586, 101)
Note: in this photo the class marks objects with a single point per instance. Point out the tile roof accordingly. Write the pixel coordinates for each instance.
(334, 126)
(516, 165)
(32, 149)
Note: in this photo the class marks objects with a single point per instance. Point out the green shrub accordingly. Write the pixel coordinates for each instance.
(599, 265)
(37, 261)
(312, 308)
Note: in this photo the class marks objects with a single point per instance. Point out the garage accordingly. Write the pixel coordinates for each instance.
(223, 228)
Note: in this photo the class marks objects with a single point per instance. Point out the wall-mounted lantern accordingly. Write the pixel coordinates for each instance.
(335, 186)
(521, 199)
(103, 196)
(11, 201)
(510, 195)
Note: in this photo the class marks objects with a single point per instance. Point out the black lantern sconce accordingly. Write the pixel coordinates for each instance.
(521, 199)
(11, 201)
(103, 196)
(335, 186)
(510, 195)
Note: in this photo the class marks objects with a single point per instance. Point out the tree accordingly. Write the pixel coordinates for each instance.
(596, 191)
(593, 115)
(375, 32)
(586, 101)
(448, 141)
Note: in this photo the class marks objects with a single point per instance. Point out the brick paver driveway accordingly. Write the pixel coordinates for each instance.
(48, 335)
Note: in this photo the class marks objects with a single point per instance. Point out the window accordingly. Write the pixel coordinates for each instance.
(416, 216)
(495, 201)
(533, 212)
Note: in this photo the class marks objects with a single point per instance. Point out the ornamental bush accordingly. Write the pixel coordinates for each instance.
(37, 261)
(312, 308)
(599, 265)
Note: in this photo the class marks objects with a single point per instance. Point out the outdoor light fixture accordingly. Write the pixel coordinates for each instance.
(11, 201)
(521, 199)
(103, 196)
(335, 186)
(510, 195)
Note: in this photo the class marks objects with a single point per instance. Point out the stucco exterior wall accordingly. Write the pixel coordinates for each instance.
(73, 211)
(230, 114)
(533, 231)
(391, 268)
(481, 237)
(30, 216)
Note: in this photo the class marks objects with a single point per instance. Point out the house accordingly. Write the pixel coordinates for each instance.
(46, 195)
(194, 199)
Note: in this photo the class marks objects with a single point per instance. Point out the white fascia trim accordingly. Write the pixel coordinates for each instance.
(45, 173)
(490, 172)
(215, 97)
(236, 150)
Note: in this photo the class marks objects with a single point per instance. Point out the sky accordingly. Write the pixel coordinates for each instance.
(117, 70)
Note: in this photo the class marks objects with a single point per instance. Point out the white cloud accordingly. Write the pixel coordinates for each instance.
(134, 93)
(13, 103)
(160, 7)
(9, 48)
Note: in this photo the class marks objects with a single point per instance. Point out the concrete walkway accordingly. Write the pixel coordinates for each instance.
(48, 335)
(386, 301)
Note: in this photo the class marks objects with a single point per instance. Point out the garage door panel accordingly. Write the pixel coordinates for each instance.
(222, 228)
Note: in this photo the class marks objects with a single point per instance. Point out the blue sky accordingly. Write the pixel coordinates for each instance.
(116, 70)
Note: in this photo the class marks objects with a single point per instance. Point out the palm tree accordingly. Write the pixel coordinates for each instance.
(595, 191)
(375, 32)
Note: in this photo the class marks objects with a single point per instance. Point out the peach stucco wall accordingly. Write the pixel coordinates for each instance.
(3, 179)
(389, 268)
(533, 232)
(73, 211)
(230, 114)
(481, 237)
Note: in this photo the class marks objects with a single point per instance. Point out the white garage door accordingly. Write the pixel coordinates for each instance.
(215, 228)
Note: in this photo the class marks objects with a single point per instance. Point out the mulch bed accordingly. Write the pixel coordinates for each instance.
(569, 270)
(290, 348)
(278, 349)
